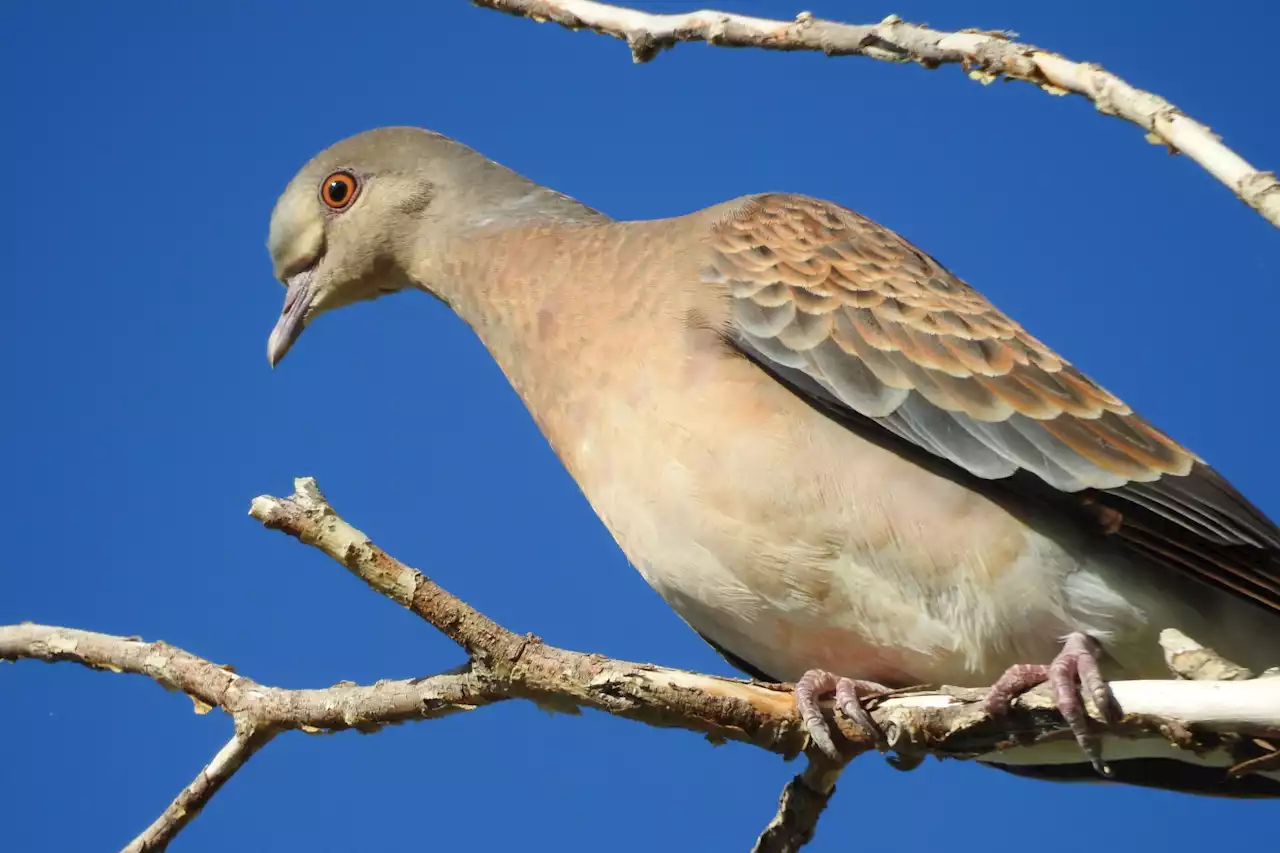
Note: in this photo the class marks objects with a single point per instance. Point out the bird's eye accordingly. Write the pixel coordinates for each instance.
(338, 190)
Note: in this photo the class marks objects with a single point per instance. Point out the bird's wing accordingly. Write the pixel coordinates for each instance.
(875, 332)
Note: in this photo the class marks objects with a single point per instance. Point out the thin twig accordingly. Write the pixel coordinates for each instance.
(243, 744)
(985, 55)
(803, 801)
(306, 516)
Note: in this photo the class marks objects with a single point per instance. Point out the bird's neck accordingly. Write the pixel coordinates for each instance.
(462, 257)
(497, 265)
(544, 299)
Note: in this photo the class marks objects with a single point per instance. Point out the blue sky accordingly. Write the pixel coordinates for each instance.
(147, 143)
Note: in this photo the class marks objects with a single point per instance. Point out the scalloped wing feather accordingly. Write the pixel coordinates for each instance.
(846, 310)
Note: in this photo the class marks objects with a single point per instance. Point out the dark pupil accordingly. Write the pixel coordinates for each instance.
(337, 191)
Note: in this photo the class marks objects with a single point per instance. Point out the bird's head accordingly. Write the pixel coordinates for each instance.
(379, 211)
(369, 216)
(339, 228)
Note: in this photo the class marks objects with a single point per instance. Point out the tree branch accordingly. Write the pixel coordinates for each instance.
(1222, 723)
(249, 703)
(243, 744)
(803, 801)
(985, 55)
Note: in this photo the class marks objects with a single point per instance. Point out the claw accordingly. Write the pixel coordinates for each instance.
(1076, 664)
(816, 683)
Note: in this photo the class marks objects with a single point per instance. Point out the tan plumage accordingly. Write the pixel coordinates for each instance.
(825, 451)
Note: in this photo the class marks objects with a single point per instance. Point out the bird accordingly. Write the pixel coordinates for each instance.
(838, 462)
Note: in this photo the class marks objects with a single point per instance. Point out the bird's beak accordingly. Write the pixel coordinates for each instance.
(297, 300)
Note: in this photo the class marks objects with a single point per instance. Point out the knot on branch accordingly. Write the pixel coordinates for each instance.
(1259, 190)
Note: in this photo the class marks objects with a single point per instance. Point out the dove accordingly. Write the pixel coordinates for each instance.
(837, 461)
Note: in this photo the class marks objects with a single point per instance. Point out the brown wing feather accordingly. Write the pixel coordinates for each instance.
(868, 327)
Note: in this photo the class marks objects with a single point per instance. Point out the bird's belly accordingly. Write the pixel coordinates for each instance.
(786, 606)
(792, 586)
(794, 555)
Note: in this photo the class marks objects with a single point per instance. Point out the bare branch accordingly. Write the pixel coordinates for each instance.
(1219, 723)
(243, 744)
(259, 712)
(803, 801)
(343, 706)
(985, 56)
(306, 516)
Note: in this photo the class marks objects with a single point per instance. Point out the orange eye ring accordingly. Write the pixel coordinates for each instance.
(339, 190)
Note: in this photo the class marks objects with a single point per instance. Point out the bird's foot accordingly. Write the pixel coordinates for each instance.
(849, 694)
(1076, 664)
